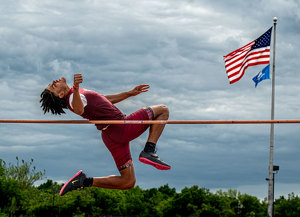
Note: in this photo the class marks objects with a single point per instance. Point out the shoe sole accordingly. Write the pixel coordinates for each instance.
(156, 165)
(63, 188)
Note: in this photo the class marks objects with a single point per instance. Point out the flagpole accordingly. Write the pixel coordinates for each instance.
(271, 174)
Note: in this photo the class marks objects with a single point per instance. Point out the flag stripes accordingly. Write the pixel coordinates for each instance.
(254, 53)
(236, 69)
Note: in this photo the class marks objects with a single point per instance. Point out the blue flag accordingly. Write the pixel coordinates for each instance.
(262, 75)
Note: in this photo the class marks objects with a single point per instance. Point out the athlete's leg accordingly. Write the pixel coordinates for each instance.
(125, 180)
(148, 155)
(161, 112)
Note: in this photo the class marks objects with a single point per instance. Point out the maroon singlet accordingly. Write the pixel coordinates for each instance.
(97, 107)
(116, 137)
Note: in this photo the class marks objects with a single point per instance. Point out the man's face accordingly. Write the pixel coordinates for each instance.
(57, 86)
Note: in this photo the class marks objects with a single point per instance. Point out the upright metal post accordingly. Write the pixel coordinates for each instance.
(271, 175)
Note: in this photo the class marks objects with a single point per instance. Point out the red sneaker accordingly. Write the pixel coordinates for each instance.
(152, 159)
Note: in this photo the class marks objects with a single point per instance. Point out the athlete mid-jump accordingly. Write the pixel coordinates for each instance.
(91, 105)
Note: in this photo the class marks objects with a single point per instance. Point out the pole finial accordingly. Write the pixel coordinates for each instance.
(275, 19)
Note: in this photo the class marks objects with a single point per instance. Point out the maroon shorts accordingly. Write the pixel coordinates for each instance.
(117, 136)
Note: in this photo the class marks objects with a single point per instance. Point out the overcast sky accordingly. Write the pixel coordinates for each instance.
(176, 47)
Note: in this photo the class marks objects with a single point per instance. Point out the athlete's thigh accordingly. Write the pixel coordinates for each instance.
(132, 131)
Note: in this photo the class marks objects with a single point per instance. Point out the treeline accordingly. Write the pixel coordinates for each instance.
(19, 197)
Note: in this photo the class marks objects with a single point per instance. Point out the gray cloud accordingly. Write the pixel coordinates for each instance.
(177, 48)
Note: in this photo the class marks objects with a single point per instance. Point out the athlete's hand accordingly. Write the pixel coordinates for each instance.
(139, 89)
(77, 80)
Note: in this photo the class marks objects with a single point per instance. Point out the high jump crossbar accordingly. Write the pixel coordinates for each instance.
(152, 121)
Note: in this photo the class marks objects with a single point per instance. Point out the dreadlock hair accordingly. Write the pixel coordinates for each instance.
(53, 103)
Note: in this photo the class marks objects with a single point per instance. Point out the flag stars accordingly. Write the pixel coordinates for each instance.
(264, 40)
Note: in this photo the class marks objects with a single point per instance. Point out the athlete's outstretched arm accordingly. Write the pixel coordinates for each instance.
(115, 98)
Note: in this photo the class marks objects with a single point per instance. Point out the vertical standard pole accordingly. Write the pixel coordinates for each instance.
(271, 175)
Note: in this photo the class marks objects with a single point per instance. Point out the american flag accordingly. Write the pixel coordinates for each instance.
(255, 53)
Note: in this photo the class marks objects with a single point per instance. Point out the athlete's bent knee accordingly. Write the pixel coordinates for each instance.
(165, 108)
(161, 112)
(165, 111)
(128, 185)
(131, 184)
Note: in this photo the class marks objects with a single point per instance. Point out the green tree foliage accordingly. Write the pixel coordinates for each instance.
(18, 197)
(287, 207)
(25, 174)
(16, 186)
